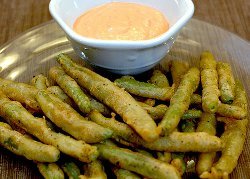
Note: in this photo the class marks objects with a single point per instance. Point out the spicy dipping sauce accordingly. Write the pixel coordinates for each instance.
(121, 21)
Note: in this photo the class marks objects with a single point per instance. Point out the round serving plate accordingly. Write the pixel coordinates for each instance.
(34, 51)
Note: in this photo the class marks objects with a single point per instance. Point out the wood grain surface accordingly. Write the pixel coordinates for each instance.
(17, 16)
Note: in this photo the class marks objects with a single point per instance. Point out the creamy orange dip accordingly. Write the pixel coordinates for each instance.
(121, 21)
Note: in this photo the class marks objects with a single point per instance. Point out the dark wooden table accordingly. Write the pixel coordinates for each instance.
(17, 16)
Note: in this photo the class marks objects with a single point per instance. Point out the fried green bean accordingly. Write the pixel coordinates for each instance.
(14, 112)
(94, 104)
(226, 82)
(50, 171)
(240, 96)
(232, 111)
(19, 144)
(145, 89)
(113, 96)
(165, 156)
(205, 161)
(71, 88)
(95, 169)
(178, 70)
(65, 117)
(136, 162)
(71, 170)
(209, 81)
(180, 101)
(175, 142)
(191, 114)
(233, 138)
(188, 126)
(195, 99)
(159, 79)
(24, 93)
(125, 174)
(58, 92)
(40, 82)
(158, 112)
(178, 162)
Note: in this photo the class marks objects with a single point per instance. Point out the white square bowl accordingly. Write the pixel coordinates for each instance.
(122, 57)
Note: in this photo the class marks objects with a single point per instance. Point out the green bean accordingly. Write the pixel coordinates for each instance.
(50, 171)
(144, 89)
(233, 138)
(125, 174)
(70, 121)
(94, 104)
(95, 169)
(188, 126)
(178, 70)
(113, 96)
(71, 88)
(205, 161)
(144, 152)
(58, 92)
(71, 170)
(175, 142)
(209, 81)
(180, 101)
(14, 112)
(232, 111)
(136, 162)
(40, 82)
(21, 92)
(191, 114)
(165, 156)
(21, 145)
(240, 96)
(195, 99)
(159, 79)
(178, 162)
(226, 82)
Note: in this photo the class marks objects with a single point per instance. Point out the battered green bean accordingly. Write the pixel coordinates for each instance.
(195, 99)
(180, 101)
(50, 171)
(205, 161)
(125, 174)
(95, 169)
(21, 92)
(232, 111)
(71, 88)
(233, 138)
(178, 70)
(191, 114)
(58, 92)
(65, 117)
(145, 89)
(159, 79)
(113, 96)
(178, 162)
(94, 104)
(175, 142)
(165, 156)
(209, 81)
(14, 112)
(188, 126)
(40, 82)
(21, 145)
(226, 82)
(71, 169)
(136, 162)
(240, 96)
